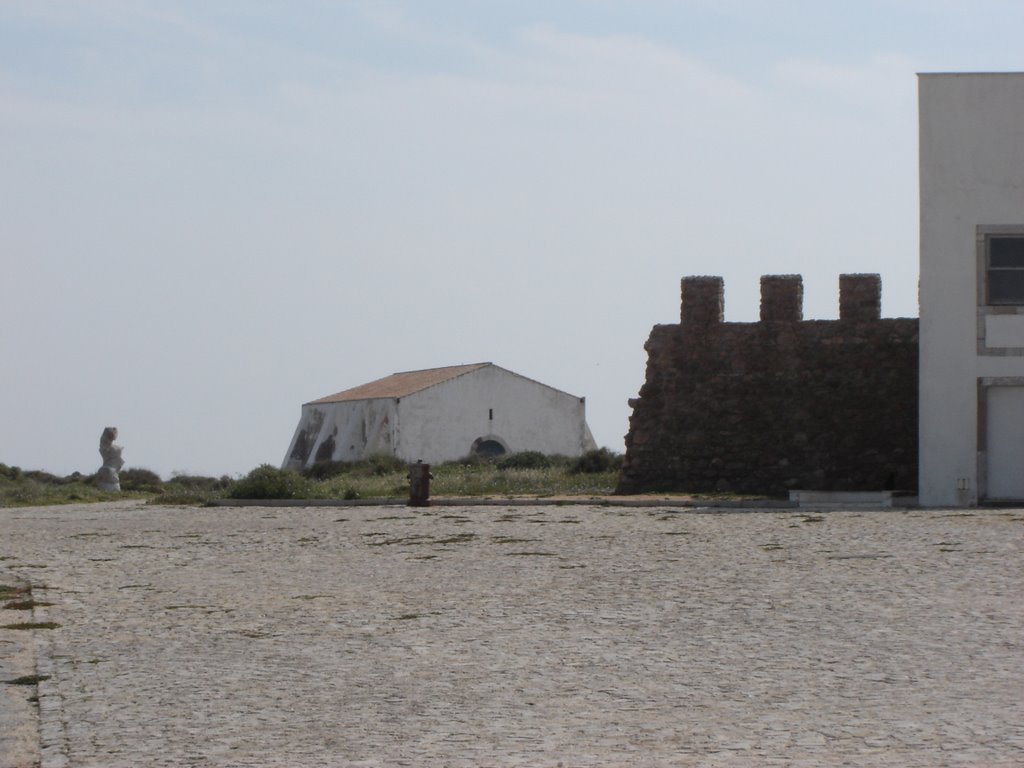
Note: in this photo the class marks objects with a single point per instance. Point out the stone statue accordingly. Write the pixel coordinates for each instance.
(107, 478)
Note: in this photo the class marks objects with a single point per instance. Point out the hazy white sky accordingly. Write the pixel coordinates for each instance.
(212, 211)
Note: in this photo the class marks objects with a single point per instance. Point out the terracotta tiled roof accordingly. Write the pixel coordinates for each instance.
(400, 384)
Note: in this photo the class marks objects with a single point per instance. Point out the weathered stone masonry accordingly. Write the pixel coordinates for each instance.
(780, 404)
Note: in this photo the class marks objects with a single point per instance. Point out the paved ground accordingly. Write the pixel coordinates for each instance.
(579, 636)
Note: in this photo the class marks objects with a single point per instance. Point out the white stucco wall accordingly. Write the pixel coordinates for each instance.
(971, 176)
(441, 423)
(359, 428)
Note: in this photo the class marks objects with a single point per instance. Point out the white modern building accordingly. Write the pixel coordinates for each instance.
(441, 414)
(972, 288)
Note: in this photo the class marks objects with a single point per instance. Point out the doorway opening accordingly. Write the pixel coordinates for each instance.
(488, 447)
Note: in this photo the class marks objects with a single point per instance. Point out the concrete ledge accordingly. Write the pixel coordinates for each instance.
(306, 503)
(549, 501)
(825, 499)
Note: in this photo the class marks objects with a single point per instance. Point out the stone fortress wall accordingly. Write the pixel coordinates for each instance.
(780, 404)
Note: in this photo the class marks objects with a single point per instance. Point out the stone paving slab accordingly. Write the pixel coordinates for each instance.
(19, 723)
(523, 636)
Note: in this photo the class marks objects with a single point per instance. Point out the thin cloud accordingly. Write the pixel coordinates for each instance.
(112, 14)
(881, 80)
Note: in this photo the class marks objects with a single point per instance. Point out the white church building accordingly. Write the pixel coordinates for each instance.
(441, 414)
(972, 288)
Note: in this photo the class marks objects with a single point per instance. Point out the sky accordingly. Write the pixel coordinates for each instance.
(213, 211)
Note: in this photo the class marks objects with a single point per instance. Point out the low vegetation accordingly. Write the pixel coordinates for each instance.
(20, 488)
(35, 488)
(267, 482)
(378, 477)
(520, 474)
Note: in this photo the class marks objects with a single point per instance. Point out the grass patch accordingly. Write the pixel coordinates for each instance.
(25, 605)
(459, 538)
(21, 488)
(472, 478)
(31, 625)
(27, 680)
(419, 539)
(10, 592)
(268, 482)
(531, 554)
(511, 540)
(27, 492)
(380, 477)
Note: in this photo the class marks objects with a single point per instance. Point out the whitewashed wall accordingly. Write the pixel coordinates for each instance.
(359, 428)
(971, 176)
(441, 423)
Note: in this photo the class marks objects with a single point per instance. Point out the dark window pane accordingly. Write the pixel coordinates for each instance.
(1005, 286)
(1006, 252)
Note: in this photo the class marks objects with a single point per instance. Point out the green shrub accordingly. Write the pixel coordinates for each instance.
(43, 477)
(596, 461)
(381, 464)
(525, 460)
(324, 470)
(377, 465)
(197, 483)
(140, 480)
(192, 489)
(11, 473)
(471, 460)
(268, 482)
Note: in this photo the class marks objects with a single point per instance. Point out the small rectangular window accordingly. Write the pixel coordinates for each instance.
(490, 414)
(1005, 269)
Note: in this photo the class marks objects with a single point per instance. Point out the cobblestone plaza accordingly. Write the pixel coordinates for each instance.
(513, 636)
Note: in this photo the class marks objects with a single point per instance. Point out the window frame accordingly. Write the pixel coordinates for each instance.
(986, 309)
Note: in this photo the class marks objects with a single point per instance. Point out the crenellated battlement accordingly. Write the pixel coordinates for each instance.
(777, 404)
(702, 299)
